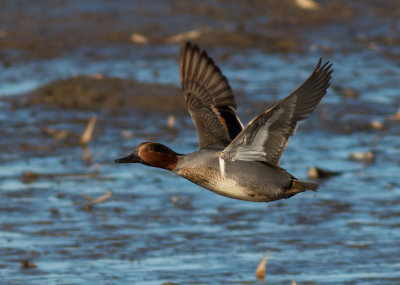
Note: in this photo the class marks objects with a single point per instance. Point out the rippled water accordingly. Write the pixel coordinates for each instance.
(347, 233)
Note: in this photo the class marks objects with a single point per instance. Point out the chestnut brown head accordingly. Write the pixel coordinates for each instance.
(152, 154)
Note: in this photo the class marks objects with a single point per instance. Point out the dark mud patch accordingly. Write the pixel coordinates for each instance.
(114, 95)
(56, 28)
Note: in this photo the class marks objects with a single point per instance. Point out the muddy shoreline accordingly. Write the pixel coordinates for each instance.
(114, 95)
(54, 28)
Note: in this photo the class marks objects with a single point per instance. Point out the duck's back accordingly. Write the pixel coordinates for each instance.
(244, 180)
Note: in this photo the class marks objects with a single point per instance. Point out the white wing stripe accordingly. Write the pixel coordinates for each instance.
(222, 166)
(249, 153)
(255, 150)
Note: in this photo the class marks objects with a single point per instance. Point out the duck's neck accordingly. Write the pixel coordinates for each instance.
(162, 160)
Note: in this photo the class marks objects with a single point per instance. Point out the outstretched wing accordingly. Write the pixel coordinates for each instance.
(265, 137)
(209, 98)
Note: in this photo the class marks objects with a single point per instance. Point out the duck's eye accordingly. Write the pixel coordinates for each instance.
(149, 148)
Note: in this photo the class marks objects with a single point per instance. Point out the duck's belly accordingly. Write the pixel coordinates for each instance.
(245, 186)
(231, 188)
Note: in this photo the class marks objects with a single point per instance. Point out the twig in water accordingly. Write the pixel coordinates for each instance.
(139, 39)
(171, 123)
(395, 117)
(27, 264)
(92, 202)
(87, 134)
(260, 271)
(186, 36)
(58, 135)
(316, 172)
(87, 158)
(368, 156)
(307, 4)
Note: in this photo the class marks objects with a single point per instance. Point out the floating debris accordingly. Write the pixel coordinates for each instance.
(171, 122)
(29, 176)
(307, 4)
(316, 172)
(173, 131)
(139, 39)
(27, 264)
(377, 125)
(363, 156)
(261, 268)
(54, 212)
(97, 76)
(175, 199)
(350, 93)
(127, 134)
(88, 133)
(92, 202)
(395, 117)
(180, 202)
(186, 36)
(284, 45)
(56, 134)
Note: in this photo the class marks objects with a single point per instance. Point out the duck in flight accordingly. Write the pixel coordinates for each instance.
(233, 161)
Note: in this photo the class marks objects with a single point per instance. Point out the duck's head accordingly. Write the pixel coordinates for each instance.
(152, 154)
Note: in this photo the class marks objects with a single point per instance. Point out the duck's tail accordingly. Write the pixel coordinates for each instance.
(304, 185)
(298, 186)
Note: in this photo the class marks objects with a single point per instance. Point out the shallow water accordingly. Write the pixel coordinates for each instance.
(347, 233)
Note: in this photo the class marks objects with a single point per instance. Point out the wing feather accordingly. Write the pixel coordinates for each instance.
(265, 138)
(208, 97)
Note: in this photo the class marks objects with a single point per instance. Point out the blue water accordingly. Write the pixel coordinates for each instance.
(347, 233)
